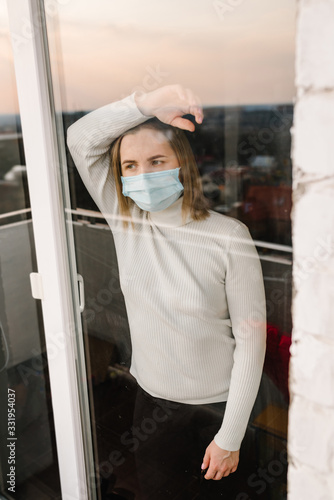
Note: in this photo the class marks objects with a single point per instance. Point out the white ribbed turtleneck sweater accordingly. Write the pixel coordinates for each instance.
(193, 289)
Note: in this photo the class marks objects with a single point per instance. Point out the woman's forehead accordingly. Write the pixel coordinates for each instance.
(145, 140)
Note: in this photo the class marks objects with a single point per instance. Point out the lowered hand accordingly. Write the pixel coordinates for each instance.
(220, 463)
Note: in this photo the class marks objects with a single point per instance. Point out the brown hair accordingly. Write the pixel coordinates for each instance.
(194, 202)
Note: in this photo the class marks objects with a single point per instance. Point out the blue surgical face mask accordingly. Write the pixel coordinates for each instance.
(153, 191)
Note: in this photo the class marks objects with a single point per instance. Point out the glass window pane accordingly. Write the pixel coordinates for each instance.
(238, 57)
(29, 466)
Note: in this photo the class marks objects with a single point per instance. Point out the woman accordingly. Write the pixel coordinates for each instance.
(191, 278)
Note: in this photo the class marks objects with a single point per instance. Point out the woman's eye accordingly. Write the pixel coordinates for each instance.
(130, 166)
(156, 162)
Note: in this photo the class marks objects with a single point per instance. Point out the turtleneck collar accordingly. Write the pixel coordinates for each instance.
(171, 216)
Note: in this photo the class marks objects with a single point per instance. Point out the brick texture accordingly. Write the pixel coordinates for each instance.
(311, 378)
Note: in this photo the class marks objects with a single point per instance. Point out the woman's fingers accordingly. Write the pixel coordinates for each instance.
(197, 112)
(210, 473)
(183, 123)
(195, 106)
(189, 104)
(184, 101)
(169, 104)
(217, 476)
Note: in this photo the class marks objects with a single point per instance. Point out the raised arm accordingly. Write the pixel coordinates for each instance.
(89, 140)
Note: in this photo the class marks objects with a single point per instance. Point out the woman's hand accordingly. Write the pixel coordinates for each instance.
(169, 104)
(220, 463)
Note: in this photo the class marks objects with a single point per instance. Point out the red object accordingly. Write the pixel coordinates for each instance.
(276, 364)
(268, 202)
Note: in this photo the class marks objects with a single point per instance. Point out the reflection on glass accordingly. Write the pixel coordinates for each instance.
(242, 150)
(29, 468)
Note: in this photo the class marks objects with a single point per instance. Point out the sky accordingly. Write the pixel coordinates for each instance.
(228, 52)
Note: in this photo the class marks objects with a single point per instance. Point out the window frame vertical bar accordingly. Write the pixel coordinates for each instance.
(27, 29)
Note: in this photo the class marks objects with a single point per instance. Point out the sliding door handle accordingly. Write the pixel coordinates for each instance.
(81, 293)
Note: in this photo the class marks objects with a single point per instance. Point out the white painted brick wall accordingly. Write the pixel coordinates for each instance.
(315, 62)
(311, 380)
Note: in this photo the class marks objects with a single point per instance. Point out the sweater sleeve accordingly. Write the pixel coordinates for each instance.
(89, 141)
(247, 307)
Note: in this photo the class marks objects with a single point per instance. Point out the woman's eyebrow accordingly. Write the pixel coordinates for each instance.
(154, 157)
(128, 161)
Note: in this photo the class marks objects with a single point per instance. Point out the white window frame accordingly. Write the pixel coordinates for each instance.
(60, 301)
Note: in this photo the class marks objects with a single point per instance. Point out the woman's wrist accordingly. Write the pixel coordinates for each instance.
(141, 100)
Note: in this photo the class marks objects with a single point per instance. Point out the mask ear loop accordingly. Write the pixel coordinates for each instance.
(181, 176)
